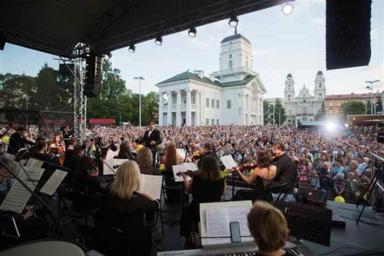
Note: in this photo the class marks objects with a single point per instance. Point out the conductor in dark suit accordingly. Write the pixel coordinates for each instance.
(152, 138)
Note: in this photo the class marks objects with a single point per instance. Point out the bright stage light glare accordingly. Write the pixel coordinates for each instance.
(287, 8)
(330, 126)
(346, 125)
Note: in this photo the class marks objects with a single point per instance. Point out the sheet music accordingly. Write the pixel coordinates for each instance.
(110, 166)
(215, 219)
(217, 222)
(33, 163)
(18, 196)
(190, 167)
(151, 185)
(228, 162)
(181, 152)
(53, 182)
(176, 170)
(111, 154)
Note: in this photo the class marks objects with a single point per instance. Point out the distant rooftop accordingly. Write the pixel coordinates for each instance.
(187, 75)
(233, 37)
(351, 96)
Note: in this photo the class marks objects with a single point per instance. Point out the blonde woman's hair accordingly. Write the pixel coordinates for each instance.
(144, 157)
(268, 226)
(127, 180)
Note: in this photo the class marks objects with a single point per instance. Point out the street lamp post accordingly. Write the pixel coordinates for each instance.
(140, 78)
(370, 87)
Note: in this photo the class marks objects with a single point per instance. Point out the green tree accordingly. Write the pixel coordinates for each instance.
(353, 108)
(267, 112)
(279, 113)
(49, 95)
(109, 103)
(151, 107)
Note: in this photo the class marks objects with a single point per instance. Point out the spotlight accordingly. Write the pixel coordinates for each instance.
(330, 126)
(192, 32)
(287, 8)
(233, 21)
(132, 48)
(159, 40)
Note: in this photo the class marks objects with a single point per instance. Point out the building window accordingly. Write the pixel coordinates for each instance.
(230, 56)
(207, 102)
(320, 95)
(230, 64)
(228, 103)
(213, 103)
(320, 85)
(217, 122)
(212, 121)
(289, 97)
(207, 121)
(217, 104)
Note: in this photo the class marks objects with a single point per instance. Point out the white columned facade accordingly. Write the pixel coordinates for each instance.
(178, 103)
(198, 108)
(188, 114)
(169, 112)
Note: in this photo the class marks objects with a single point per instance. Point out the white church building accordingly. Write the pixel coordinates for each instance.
(304, 107)
(232, 95)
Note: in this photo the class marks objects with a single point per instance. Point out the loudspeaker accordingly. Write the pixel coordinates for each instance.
(348, 27)
(312, 197)
(2, 42)
(93, 75)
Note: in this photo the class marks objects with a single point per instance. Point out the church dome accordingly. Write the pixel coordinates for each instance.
(289, 75)
(233, 37)
(319, 72)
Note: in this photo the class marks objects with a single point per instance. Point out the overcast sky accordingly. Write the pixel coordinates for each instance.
(281, 43)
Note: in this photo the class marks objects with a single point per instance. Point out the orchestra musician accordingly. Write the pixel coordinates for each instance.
(123, 207)
(152, 139)
(206, 185)
(269, 228)
(262, 176)
(58, 148)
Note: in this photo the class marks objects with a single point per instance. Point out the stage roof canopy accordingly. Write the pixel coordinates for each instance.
(56, 26)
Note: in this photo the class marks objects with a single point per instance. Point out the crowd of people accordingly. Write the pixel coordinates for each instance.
(338, 163)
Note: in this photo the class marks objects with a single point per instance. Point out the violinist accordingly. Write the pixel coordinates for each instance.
(261, 175)
(58, 148)
(206, 185)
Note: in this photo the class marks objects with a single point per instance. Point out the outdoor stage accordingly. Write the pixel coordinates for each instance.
(353, 239)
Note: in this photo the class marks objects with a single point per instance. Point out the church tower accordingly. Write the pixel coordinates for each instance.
(235, 58)
(289, 99)
(289, 92)
(320, 90)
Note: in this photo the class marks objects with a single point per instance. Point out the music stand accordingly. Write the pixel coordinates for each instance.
(368, 190)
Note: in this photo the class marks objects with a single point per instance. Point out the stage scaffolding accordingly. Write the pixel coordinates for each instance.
(80, 53)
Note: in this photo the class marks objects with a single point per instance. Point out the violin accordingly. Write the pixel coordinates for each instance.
(248, 166)
(189, 173)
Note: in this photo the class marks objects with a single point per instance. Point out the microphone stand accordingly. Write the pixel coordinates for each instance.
(37, 197)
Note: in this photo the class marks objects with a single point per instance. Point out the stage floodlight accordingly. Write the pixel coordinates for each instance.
(287, 8)
(132, 48)
(192, 32)
(159, 40)
(233, 21)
